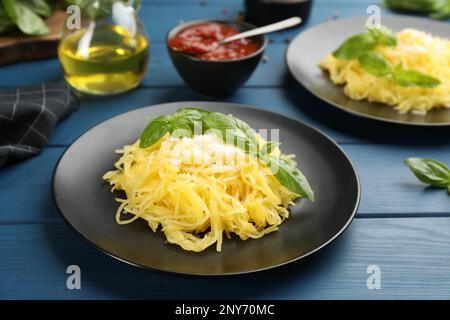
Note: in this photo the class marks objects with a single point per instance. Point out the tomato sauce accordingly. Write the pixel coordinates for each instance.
(200, 40)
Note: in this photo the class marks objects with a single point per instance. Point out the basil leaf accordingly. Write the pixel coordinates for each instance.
(409, 78)
(426, 6)
(268, 148)
(290, 177)
(136, 4)
(186, 119)
(81, 3)
(442, 13)
(183, 126)
(354, 46)
(6, 23)
(193, 114)
(383, 36)
(437, 9)
(155, 130)
(430, 171)
(42, 7)
(24, 17)
(215, 120)
(232, 130)
(250, 134)
(374, 63)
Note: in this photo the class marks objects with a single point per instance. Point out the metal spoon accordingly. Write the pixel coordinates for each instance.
(284, 24)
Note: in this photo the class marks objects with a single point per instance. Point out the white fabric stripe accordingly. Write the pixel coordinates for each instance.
(37, 118)
(46, 109)
(3, 94)
(26, 125)
(24, 149)
(15, 103)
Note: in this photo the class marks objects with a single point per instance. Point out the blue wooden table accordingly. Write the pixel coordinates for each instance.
(401, 227)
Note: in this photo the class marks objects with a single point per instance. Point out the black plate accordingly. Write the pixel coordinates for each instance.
(87, 205)
(309, 47)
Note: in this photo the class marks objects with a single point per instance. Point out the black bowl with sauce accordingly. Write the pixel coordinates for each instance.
(215, 78)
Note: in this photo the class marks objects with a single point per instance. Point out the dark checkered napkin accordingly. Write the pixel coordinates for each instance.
(28, 116)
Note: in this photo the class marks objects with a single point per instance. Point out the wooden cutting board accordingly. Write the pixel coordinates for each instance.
(16, 47)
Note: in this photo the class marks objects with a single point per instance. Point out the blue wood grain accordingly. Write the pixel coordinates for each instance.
(295, 103)
(388, 187)
(413, 255)
(159, 21)
(161, 72)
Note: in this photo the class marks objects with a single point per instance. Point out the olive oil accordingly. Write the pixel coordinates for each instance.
(104, 60)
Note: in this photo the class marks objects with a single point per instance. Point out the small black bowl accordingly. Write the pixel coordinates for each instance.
(215, 78)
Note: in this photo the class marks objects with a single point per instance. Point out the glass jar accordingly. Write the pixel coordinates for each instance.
(107, 51)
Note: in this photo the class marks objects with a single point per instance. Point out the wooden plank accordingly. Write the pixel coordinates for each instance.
(16, 46)
(294, 102)
(388, 187)
(413, 255)
(94, 111)
(161, 72)
(161, 17)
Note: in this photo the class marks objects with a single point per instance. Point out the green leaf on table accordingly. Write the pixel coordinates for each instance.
(290, 177)
(374, 63)
(155, 130)
(437, 9)
(354, 46)
(429, 171)
(43, 8)
(410, 78)
(24, 17)
(6, 24)
(426, 6)
(383, 36)
(80, 3)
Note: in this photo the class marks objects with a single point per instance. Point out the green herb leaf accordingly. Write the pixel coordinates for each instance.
(22, 14)
(374, 63)
(187, 119)
(442, 13)
(291, 177)
(194, 114)
(155, 130)
(383, 36)
(6, 24)
(136, 4)
(410, 78)
(237, 131)
(249, 132)
(429, 171)
(437, 9)
(354, 46)
(43, 8)
(241, 134)
(426, 6)
(268, 148)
